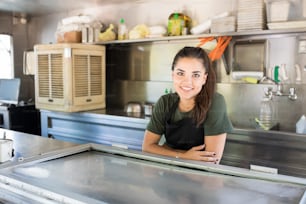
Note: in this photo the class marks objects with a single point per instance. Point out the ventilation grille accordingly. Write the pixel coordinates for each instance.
(96, 75)
(50, 76)
(88, 75)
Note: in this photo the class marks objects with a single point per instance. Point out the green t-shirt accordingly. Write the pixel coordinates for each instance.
(217, 121)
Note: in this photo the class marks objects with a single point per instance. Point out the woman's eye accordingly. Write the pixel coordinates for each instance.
(180, 73)
(196, 75)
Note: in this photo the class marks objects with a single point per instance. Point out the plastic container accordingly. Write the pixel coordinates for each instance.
(148, 108)
(277, 10)
(122, 30)
(301, 125)
(266, 113)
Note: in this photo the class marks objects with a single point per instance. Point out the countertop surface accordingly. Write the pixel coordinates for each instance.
(109, 175)
(27, 145)
(93, 173)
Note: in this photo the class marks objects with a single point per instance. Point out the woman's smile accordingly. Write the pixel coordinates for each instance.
(185, 88)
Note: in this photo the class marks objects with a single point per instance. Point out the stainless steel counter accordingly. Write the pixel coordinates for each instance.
(110, 127)
(113, 113)
(284, 152)
(94, 173)
(27, 146)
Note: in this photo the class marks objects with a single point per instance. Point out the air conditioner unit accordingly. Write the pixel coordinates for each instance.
(69, 77)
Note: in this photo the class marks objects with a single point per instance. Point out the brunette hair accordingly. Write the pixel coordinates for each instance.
(204, 98)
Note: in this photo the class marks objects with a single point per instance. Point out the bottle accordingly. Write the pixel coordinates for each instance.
(301, 125)
(266, 113)
(166, 91)
(178, 24)
(122, 30)
(276, 74)
(174, 24)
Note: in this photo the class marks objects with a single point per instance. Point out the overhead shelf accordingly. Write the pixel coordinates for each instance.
(193, 37)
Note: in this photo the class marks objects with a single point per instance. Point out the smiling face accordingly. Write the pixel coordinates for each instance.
(189, 75)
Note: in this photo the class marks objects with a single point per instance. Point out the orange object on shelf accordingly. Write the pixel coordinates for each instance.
(204, 40)
(70, 37)
(217, 52)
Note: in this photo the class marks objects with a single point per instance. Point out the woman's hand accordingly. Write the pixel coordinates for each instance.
(199, 153)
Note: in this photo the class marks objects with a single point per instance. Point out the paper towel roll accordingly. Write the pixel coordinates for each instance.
(201, 28)
(297, 72)
(240, 74)
(205, 26)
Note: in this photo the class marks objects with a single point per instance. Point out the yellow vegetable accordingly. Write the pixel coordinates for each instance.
(139, 31)
(108, 35)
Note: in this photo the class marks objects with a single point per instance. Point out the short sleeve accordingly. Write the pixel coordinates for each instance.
(157, 123)
(217, 121)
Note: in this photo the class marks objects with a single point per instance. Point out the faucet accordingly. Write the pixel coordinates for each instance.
(269, 92)
(292, 94)
(267, 78)
(279, 90)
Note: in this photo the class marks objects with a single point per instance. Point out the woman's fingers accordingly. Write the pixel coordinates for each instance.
(199, 153)
(209, 159)
(208, 156)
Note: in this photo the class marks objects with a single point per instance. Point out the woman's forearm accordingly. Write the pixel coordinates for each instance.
(164, 150)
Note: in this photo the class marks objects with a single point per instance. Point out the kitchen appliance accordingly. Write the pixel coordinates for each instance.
(15, 114)
(6, 150)
(248, 58)
(134, 171)
(70, 77)
(9, 91)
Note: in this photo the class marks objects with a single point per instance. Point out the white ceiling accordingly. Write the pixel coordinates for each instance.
(43, 7)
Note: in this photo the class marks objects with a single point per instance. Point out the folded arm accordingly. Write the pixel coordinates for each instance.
(211, 151)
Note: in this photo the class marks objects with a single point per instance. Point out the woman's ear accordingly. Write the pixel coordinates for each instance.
(205, 78)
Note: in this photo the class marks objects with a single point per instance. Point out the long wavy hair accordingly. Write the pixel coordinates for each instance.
(204, 99)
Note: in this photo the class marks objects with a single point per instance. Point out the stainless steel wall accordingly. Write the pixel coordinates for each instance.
(142, 72)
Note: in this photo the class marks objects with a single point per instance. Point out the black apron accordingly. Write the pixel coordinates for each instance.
(183, 134)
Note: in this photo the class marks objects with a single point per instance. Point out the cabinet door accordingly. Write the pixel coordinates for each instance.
(50, 80)
(88, 67)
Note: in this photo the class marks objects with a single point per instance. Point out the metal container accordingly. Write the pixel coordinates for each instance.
(6, 150)
(148, 109)
(133, 107)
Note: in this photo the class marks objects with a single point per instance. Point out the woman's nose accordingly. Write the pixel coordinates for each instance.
(187, 79)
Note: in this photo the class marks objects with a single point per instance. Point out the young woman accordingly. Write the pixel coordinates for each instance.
(193, 120)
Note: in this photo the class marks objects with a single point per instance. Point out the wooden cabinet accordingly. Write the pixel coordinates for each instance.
(70, 77)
